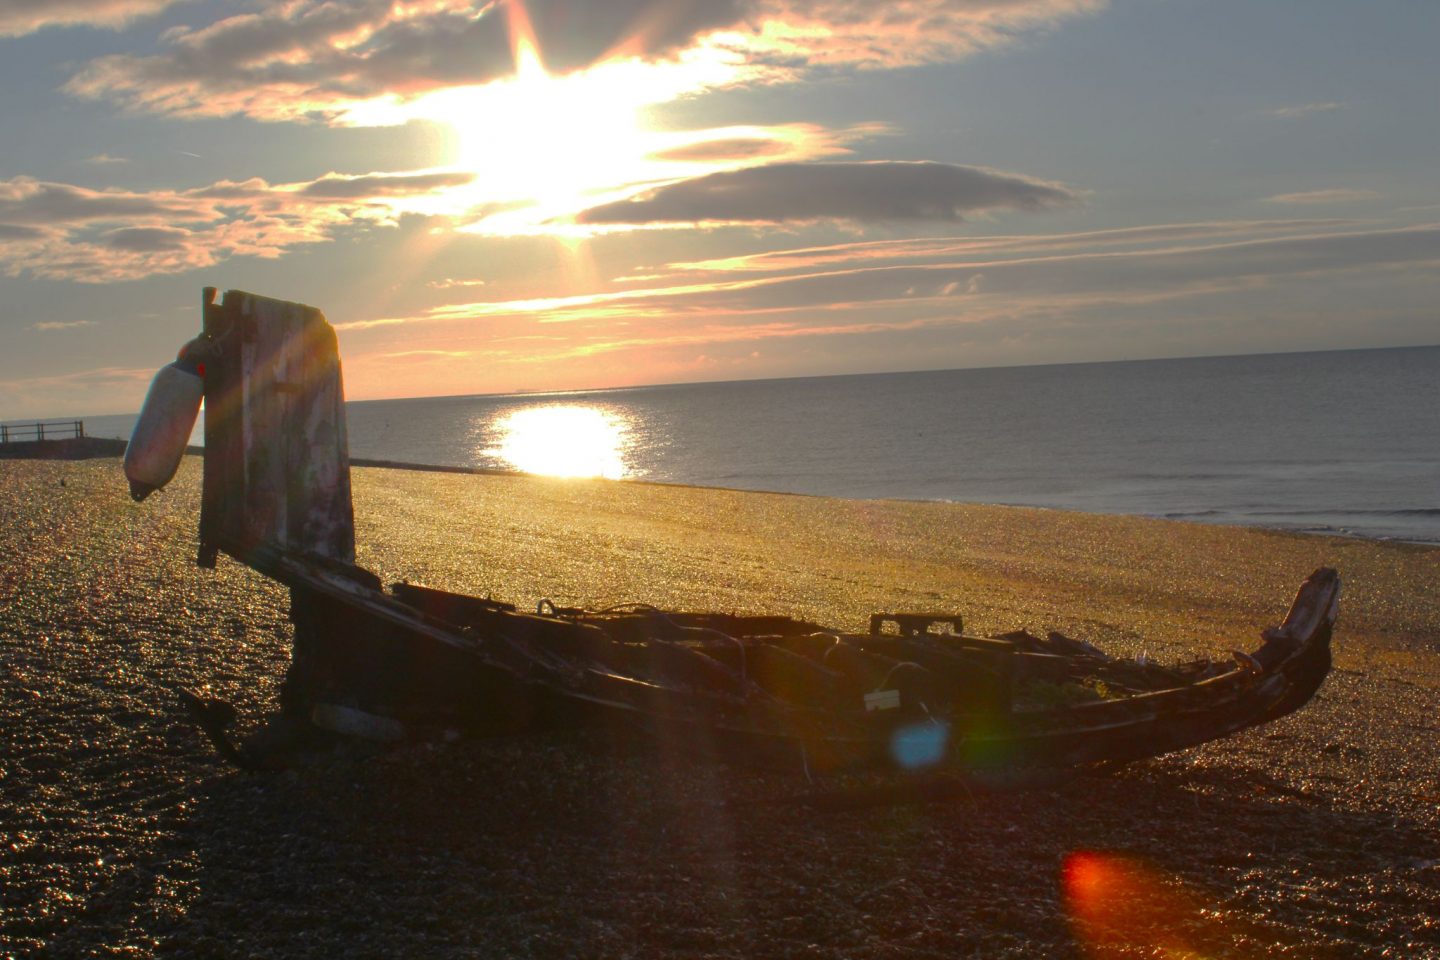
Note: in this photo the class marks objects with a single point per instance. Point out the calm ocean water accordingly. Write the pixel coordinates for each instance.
(1338, 442)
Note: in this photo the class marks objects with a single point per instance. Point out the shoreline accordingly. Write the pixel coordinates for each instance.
(1315, 835)
(1223, 522)
(92, 447)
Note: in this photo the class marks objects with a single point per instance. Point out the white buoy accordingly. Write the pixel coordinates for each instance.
(163, 430)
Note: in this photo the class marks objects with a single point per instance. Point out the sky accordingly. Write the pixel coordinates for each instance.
(557, 194)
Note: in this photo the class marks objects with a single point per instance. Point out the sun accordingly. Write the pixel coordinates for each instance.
(547, 143)
(548, 139)
(543, 146)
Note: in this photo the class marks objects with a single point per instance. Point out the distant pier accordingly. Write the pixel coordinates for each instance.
(42, 430)
(54, 440)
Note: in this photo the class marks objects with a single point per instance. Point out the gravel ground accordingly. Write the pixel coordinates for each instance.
(121, 834)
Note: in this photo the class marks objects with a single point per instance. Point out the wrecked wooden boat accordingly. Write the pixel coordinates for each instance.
(913, 691)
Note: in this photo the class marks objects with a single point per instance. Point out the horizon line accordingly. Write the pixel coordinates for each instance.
(808, 376)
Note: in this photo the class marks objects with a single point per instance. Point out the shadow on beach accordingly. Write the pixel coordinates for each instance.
(555, 845)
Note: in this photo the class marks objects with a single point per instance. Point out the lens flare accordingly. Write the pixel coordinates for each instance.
(920, 745)
(563, 440)
(1120, 906)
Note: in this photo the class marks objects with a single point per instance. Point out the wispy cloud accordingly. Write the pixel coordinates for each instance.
(450, 283)
(724, 148)
(335, 186)
(423, 354)
(102, 159)
(1306, 109)
(859, 192)
(1333, 195)
(100, 388)
(925, 250)
(982, 300)
(19, 17)
(61, 324)
(1023, 275)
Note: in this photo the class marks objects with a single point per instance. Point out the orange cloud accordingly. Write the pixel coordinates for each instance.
(309, 58)
(857, 34)
(19, 17)
(729, 148)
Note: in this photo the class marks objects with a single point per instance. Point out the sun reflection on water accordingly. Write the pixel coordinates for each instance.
(563, 440)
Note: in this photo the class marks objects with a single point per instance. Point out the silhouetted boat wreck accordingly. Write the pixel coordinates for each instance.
(913, 692)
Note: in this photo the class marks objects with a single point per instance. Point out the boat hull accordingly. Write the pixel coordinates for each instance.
(489, 670)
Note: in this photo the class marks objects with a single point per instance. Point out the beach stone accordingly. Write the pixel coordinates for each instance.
(121, 834)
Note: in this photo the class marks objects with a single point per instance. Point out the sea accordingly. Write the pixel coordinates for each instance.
(1338, 442)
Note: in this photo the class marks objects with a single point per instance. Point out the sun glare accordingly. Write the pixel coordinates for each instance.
(546, 139)
(544, 146)
(562, 440)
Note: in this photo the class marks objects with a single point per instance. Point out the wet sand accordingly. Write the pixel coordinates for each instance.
(121, 834)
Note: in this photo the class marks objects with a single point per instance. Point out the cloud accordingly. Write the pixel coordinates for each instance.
(335, 186)
(63, 231)
(859, 192)
(318, 57)
(929, 250)
(146, 239)
(1167, 289)
(27, 201)
(1334, 195)
(421, 356)
(50, 395)
(101, 159)
(323, 58)
(805, 35)
(1306, 109)
(61, 324)
(16, 231)
(732, 148)
(449, 283)
(1008, 278)
(19, 17)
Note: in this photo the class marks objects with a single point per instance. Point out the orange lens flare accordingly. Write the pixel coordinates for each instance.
(1119, 906)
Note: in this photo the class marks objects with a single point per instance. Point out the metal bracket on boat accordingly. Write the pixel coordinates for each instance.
(916, 624)
(882, 700)
(1248, 662)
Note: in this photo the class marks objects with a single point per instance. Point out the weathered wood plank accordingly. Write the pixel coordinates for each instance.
(277, 468)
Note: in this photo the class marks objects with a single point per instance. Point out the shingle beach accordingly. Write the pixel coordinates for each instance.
(122, 834)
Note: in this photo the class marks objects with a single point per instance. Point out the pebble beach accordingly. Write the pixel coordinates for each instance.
(123, 835)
